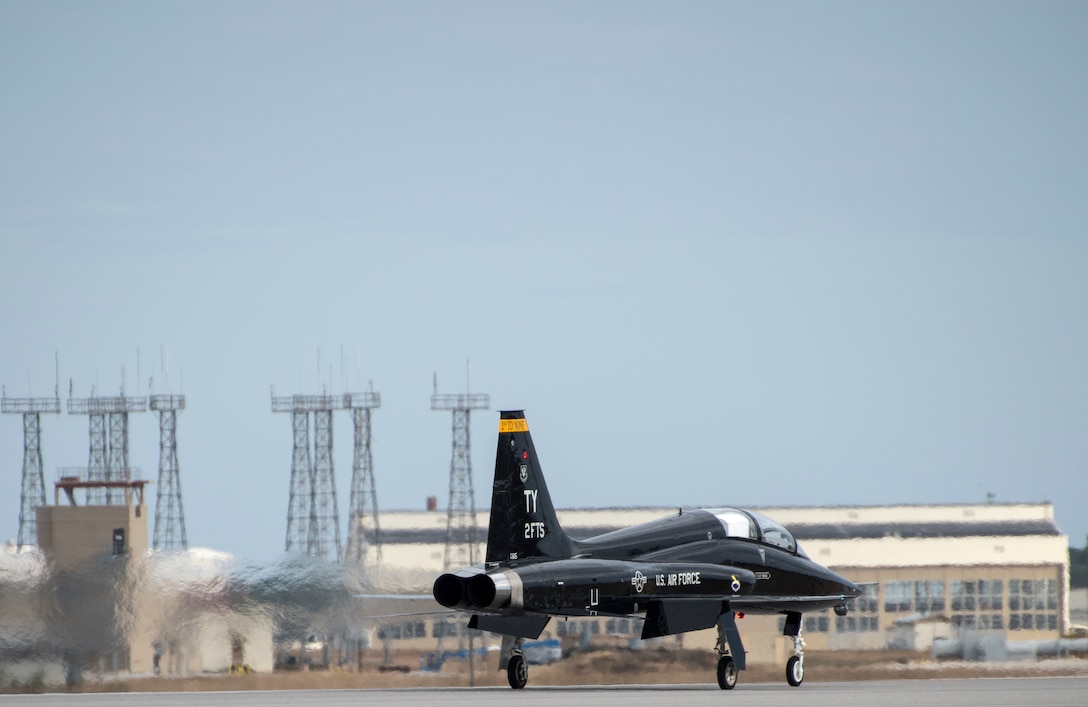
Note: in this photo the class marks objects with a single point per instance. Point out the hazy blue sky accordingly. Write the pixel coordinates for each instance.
(722, 253)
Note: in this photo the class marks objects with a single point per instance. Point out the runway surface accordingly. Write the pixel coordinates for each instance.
(1021, 692)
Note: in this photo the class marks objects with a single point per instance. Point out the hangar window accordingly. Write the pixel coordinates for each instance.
(989, 594)
(929, 596)
(898, 596)
(1033, 605)
(964, 595)
(618, 627)
(584, 627)
(923, 596)
(444, 629)
(977, 603)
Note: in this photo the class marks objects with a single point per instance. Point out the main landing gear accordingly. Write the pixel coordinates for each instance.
(517, 672)
(727, 672)
(729, 638)
(731, 655)
(511, 657)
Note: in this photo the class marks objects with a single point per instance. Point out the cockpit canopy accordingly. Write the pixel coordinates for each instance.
(756, 526)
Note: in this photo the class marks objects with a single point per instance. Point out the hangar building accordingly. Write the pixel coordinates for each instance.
(927, 571)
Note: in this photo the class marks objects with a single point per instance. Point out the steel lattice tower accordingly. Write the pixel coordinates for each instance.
(169, 511)
(461, 529)
(108, 459)
(117, 456)
(324, 516)
(96, 464)
(298, 508)
(33, 489)
(363, 527)
(311, 509)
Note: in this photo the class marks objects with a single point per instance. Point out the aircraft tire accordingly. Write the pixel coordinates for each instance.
(727, 673)
(517, 672)
(795, 671)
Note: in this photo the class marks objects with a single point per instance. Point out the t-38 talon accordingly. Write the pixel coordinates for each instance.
(686, 572)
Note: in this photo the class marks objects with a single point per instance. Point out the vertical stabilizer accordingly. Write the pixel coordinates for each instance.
(523, 521)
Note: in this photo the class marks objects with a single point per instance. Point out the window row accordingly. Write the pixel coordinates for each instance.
(1033, 594)
(923, 596)
(980, 595)
(577, 627)
(1037, 622)
(983, 622)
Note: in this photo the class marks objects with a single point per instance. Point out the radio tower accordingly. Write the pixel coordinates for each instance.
(108, 459)
(311, 510)
(33, 493)
(169, 513)
(363, 527)
(461, 513)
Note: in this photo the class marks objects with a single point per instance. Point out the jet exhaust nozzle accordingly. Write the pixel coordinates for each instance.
(451, 589)
(489, 591)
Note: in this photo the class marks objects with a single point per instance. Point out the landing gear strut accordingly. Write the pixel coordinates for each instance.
(729, 638)
(795, 666)
(511, 657)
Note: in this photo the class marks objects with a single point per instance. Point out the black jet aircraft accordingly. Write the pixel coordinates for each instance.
(686, 572)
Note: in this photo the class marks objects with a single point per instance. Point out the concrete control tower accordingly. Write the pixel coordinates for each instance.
(94, 551)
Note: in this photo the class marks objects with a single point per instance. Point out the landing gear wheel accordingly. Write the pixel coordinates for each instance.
(517, 672)
(795, 670)
(727, 672)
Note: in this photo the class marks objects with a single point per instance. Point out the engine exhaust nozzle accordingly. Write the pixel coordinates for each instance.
(489, 591)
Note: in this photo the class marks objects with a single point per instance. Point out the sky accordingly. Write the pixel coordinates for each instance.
(723, 254)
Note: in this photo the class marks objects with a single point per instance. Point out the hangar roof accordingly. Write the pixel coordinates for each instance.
(841, 523)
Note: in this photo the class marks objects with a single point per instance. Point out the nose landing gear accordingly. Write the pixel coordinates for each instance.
(795, 666)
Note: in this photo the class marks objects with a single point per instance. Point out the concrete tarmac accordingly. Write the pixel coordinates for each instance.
(1018, 692)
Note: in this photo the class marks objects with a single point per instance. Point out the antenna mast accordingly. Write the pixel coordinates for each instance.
(169, 511)
(461, 528)
(364, 529)
(108, 459)
(33, 488)
(311, 510)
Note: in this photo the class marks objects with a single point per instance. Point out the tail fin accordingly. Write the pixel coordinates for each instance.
(523, 521)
